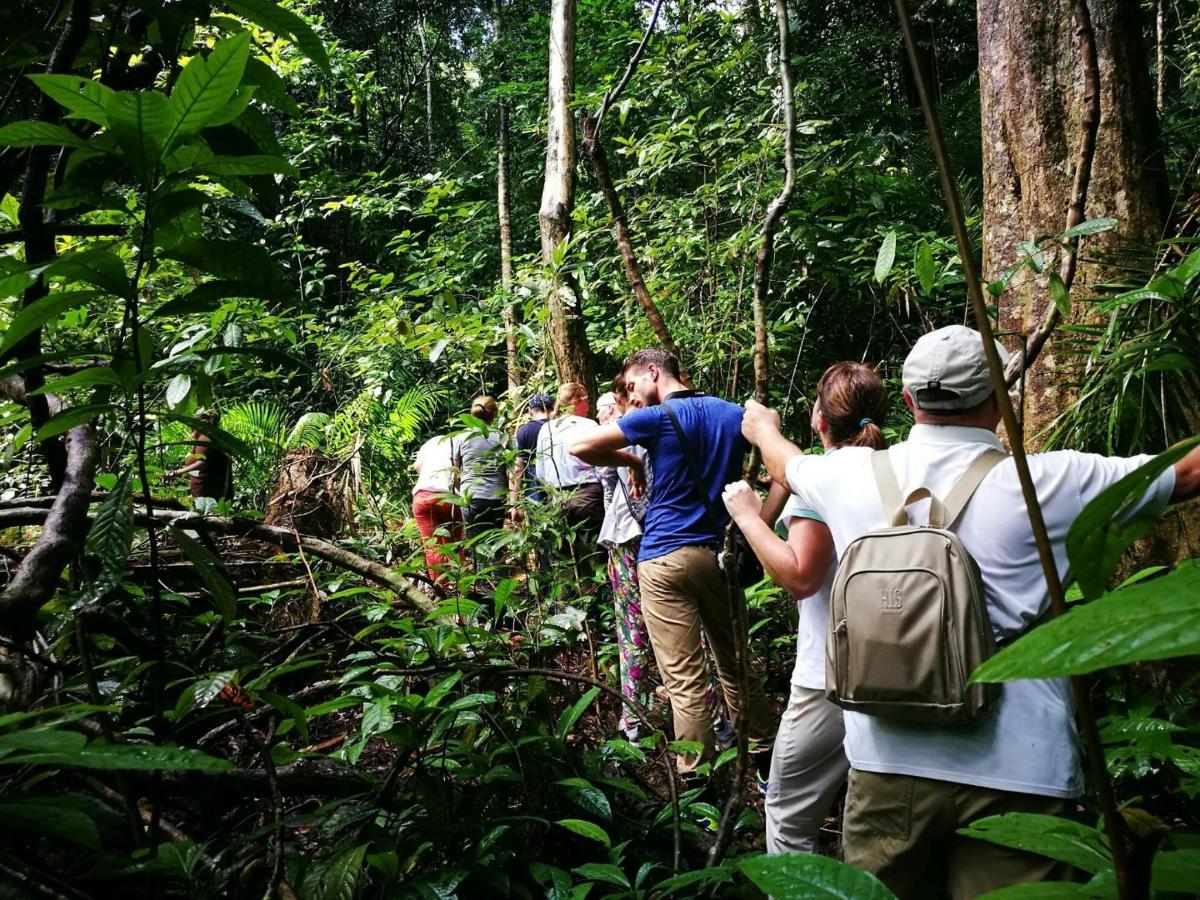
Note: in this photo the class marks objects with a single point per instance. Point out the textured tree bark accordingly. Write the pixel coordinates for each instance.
(64, 528)
(566, 328)
(1032, 89)
(428, 73)
(512, 311)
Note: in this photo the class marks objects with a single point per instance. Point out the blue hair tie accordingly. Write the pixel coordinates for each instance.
(864, 422)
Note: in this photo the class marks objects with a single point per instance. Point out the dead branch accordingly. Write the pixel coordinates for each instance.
(405, 591)
(320, 777)
(1023, 359)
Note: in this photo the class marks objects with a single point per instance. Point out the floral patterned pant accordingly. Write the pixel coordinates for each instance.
(633, 644)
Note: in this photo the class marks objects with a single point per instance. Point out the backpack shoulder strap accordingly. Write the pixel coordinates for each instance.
(960, 495)
(885, 481)
(693, 468)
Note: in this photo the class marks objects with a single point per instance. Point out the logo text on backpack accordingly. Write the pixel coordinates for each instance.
(891, 601)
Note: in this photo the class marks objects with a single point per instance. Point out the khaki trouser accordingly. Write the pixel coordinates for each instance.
(808, 769)
(683, 592)
(902, 829)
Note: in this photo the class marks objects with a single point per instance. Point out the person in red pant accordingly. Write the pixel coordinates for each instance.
(439, 518)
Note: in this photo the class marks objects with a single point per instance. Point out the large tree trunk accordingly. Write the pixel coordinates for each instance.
(565, 323)
(512, 312)
(1032, 112)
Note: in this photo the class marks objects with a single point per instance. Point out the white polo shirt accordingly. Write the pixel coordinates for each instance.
(555, 465)
(1028, 744)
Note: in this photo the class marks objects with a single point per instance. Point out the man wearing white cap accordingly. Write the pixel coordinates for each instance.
(913, 785)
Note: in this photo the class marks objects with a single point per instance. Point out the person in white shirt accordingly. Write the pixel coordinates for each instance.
(912, 786)
(577, 482)
(808, 764)
(438, 517)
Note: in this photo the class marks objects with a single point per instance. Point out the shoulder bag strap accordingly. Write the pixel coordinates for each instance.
(960, 495)
(885, 481)
(694, 470)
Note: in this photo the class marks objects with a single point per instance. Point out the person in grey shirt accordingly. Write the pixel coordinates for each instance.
(483, 477)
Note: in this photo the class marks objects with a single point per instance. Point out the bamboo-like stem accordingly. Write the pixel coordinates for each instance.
(1113, 824)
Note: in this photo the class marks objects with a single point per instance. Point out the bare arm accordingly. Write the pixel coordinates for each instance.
(760, 426)
(798, 565)
(605, 446)
(777, 498)
(1187, 477)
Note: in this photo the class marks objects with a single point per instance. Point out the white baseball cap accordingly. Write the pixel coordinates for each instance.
(947, 370)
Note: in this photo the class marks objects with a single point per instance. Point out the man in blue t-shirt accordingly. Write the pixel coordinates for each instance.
(682, 588)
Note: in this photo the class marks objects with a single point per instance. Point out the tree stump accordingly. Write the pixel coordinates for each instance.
(312, 495)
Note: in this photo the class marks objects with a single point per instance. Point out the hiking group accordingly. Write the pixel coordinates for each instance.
(893, 616)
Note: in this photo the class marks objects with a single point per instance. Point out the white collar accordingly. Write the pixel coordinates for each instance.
(953, 434)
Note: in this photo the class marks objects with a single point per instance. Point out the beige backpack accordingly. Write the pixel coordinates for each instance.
(907, 618)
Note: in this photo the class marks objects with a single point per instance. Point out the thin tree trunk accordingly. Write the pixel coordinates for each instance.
(1160, 48)
(428, 87)
(565, 324)
(512, 312)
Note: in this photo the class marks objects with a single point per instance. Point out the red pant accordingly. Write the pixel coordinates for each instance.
(439, 522)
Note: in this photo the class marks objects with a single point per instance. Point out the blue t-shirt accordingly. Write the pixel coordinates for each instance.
(713, 429)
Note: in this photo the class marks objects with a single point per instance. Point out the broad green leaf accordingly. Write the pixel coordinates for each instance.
(808, 876)
(167, 207)
(1101, 886)
(244, 165)
(83, 98)
(110, 537)
(284, 23)
(571, 714)
(178, 388)
(923, 264)
(58, 817)
(141, 122)
(14, 285)
(90, 377)
(43, 740)
(1097, 538)
(1071, 842)
(1058, 291)
(691, 881)
(605, 872)
(38, 134)
(127, 757)
(290, 709)
(37, 314)
(1091, 226)
(588, 797)
(1176, 870)
(208, 567)
(230, 260)
(1157, 619)
(205, 690)
(589, 830)
(271, 89)
(70, 418)
(99, 267)
(208, 297)
(886, 257)
(206, 85)
(336, 879)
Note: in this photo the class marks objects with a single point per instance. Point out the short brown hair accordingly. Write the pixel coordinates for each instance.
(484, 408)
(854, 404)
(654, 356)
(619, 387)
